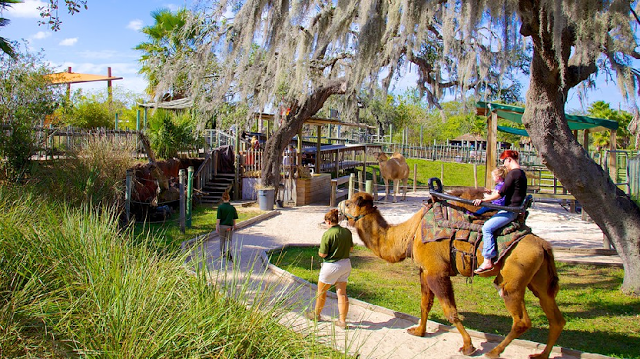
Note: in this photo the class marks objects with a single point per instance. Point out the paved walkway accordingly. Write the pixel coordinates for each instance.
(377, 332)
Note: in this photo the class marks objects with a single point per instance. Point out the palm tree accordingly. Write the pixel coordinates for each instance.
(5, 45)
(165, 42)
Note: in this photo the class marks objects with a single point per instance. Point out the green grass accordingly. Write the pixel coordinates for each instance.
(455, 174)
(166, 236)
(74, 284)
(600, 319)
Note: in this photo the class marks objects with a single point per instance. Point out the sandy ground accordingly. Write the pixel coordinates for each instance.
(377, 332)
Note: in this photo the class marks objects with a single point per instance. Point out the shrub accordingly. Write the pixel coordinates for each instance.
(94, 174)
(170, 134)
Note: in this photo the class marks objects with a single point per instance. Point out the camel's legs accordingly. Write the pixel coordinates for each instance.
(405, 181)
(386, 189)
(448, 302)
(396, 188)
(540, 288)
(443, 289)
(514, 302)
(425, 307)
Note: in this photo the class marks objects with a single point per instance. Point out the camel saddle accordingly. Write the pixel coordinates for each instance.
(448, 221)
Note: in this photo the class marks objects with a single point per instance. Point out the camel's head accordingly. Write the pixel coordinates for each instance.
(381, 156)
(354, 208)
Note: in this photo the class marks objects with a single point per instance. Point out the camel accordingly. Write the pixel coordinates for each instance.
(395, 169)
(529, 264)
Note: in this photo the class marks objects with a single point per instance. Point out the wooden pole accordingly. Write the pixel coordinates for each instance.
(182, 201)
(492, 139)
(189, 194)
(613, 162)
(127, 195)
(415, 176)
(318, 146)
(352, 179)
(475, 175)
(375, 185)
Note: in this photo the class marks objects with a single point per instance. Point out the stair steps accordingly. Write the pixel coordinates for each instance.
(214, 189)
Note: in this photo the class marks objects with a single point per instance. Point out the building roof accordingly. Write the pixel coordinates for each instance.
(514, 114)
(316, 121)
(74, 78)
(180, 104)
(470, 137)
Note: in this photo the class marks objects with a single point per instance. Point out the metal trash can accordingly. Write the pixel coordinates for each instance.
(266, 199)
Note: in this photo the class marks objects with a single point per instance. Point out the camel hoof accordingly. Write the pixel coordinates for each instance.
(415, 331)
(538, 356)
(468, 350)
(493, 354)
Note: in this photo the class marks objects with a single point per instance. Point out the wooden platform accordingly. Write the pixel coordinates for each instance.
(316, 189)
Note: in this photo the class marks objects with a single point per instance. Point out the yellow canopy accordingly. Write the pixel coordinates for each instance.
(74, 78)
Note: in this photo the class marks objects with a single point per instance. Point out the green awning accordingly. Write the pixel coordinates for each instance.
(514, 114)
(513, 131)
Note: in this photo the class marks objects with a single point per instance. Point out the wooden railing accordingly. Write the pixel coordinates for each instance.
(207, 170)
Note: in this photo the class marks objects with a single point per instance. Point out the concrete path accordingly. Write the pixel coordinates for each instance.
(377, 332)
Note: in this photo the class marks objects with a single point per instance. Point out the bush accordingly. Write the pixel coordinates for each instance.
(25, 99)
(95, 174)
(170, 134)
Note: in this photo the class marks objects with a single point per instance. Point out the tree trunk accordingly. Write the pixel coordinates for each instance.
(292, 124)
(611, 209)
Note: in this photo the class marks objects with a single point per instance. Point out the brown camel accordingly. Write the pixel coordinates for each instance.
(395, 169)
(529, 264)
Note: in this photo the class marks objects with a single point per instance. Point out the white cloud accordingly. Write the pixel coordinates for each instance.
(41, 35)
(27, 9)
(135, 25)
(173, 7)
(69, 42)
(100, 55)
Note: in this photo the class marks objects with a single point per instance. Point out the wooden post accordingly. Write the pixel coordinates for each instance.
(585, 140)
(415, 176)
(352, 179)
(318, 145)
(236, 174)
(369, 186)
(364, 161)
(442, 172)
(360, 182)
(127, 195)
(475, 175)
(613, 162)
(492, 139)
(182, 200)
(332, 195)
(138, 120)
(375, 185)
(189, 194)
(337, 163)
(144, 119)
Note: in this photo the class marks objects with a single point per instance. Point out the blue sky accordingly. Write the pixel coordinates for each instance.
(106, 33)
(90, 41)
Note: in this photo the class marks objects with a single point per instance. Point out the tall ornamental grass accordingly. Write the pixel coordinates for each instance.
(94, 173)
(73, 284)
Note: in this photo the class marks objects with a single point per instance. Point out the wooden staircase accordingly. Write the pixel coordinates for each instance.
(214, 188)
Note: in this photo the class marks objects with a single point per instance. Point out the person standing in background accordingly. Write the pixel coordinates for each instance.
(225, 225)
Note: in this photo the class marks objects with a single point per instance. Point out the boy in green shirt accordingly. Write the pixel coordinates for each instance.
(226, 225)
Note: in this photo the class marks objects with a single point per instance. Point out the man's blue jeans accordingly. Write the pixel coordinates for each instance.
(497, 221)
